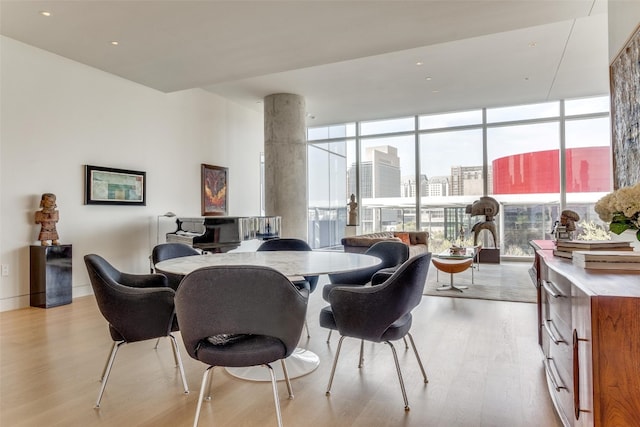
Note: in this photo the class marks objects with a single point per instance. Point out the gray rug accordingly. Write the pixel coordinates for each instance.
(508, 281)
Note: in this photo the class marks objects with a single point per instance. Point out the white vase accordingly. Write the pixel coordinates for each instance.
(627, 236)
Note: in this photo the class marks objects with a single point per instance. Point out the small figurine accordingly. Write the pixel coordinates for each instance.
(568, 218)
(47, 217)
(353, 211)
(563, 229)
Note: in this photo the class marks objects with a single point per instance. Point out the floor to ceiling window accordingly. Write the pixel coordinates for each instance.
(327, 175)
(421, 172)
(387, 173)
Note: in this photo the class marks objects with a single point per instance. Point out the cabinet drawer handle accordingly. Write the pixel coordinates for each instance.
(576, 375)
(552, 334)
(551, 289)
(552, 376)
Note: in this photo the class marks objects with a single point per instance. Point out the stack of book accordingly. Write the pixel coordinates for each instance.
(607, 260)
(565, 248)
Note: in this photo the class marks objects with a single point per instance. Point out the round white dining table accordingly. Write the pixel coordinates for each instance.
(292, 264)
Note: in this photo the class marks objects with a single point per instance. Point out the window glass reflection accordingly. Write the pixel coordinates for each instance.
(588, 156)
(523, 112)
(524, 159)
(463, 118)
(451, 164)
(387, 126)
(598, 104)
(327, 195)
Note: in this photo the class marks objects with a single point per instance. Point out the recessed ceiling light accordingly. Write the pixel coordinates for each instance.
(45, 13)
(114, 43)
(428, 77)
(419, 63)
(533, 44)
(435, 91)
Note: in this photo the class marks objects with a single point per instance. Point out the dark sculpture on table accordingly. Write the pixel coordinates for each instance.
(47, 218)
(489, 207)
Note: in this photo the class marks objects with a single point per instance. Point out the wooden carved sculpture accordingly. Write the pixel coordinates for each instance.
(47, 218)
(489, 207)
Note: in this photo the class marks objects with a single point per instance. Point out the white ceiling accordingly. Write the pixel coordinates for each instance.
(351, 59)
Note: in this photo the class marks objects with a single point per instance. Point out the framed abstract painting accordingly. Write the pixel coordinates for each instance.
(215, 191)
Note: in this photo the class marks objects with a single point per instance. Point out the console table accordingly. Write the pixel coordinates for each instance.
(589, 334)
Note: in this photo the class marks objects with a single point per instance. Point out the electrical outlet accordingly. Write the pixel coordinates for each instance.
(5, 270)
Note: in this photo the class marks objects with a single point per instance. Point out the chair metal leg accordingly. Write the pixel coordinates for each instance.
(472, 268)
(107, 370)
(406, 345)
(175, 355)
(203, 385)
(335, 363)
(404, 393)
(274, 386)
(307, 328)
(415, 350)
(208, 396)
(329, 336)
(157, 343)
(178, 359)
(286, 378)
(361, 361)
(106, 362)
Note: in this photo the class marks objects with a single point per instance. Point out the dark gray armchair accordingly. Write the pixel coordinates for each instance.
(238, 316)
(392, 254)
(290, 244)
(379, 313)
(165, 251)
(138, 307)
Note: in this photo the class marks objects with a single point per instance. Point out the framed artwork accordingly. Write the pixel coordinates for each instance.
(109, 186)
(625, 113)
(215, 183)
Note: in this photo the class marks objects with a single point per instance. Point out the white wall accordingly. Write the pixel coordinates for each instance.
(58, 115)
(624, 18)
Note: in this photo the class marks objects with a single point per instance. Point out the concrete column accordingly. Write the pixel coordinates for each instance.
(285, 162)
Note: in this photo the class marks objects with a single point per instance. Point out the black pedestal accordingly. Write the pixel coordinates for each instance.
(489, 256)
(50, 275)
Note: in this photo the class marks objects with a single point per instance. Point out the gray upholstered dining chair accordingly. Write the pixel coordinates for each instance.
(165, 251)
(238, 316)
(392, 253)
(291, 244)
(138, 307)
(379, 313)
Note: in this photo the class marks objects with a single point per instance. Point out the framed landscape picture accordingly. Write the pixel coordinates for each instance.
(215, 183)
(110, 186)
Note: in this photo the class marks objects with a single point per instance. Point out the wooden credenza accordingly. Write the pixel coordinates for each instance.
(589, 333)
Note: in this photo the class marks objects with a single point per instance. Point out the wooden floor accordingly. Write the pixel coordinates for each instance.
(481, 356)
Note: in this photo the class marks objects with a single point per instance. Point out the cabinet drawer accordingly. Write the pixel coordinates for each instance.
(560, 298)
(560, 391)
(556, 308)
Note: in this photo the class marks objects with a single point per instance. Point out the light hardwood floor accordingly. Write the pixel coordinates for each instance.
(481, 357)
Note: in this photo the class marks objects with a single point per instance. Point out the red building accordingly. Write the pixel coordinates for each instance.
(588, 170)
